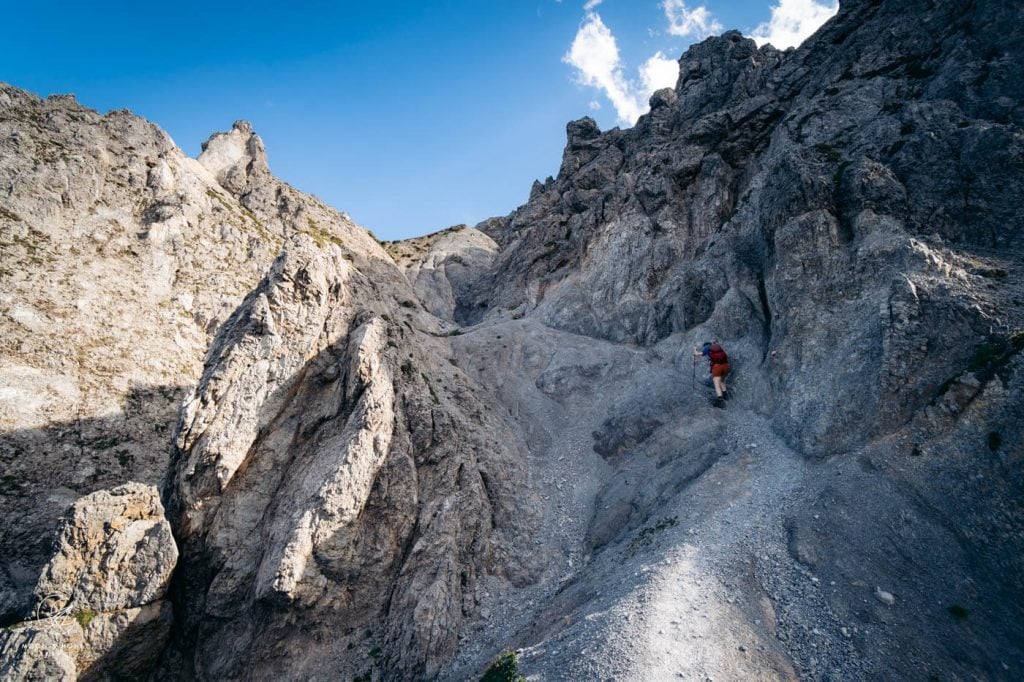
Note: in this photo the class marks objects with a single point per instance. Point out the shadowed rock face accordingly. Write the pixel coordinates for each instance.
(361, 488)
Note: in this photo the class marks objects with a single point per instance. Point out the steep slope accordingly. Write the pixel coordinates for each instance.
(837, 216)
(791, 188)
(133, 255)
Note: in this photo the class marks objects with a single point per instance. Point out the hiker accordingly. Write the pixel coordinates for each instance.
(719, 365)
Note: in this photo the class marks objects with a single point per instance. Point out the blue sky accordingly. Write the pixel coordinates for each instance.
(409, 116)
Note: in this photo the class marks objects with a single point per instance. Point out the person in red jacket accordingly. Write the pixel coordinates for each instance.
(719, 362)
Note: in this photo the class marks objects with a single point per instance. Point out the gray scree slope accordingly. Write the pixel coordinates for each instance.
(400, 460)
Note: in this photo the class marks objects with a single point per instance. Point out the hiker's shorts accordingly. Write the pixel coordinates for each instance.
(720, 370)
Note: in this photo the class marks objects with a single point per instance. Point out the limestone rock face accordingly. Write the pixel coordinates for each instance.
(118, 644)
(110, 571)
(121, 256)
(778, 200)
(113, 551)
(395, 489)
(443, 267)
(237, 159)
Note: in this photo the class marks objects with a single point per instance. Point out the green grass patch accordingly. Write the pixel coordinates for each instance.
(504, 669)
(321, 235)
(216, 196)
(85, 617)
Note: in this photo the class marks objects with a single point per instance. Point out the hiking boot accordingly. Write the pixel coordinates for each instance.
(726, 394)
(718, 402)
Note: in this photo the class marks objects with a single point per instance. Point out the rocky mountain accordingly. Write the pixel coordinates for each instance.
(397, 461)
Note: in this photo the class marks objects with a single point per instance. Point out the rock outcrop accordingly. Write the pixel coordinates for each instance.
(121, 257)
(99, 604)
(443, 267)
(395, 490)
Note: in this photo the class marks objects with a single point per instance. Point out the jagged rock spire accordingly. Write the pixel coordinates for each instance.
(236, 158)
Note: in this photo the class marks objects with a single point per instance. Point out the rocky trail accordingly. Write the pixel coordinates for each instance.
(663, 593)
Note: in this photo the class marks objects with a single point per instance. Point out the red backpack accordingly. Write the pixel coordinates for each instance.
(717, 355)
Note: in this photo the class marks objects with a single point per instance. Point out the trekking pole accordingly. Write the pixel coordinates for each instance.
(693, 374)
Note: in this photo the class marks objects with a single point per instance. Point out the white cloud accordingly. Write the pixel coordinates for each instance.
(793, 21)
(591, 4)
(658, 72)
(595, 55)
(697, 22)
(594, 105)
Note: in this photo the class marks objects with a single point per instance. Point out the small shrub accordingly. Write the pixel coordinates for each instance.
(646, 535)
(958, 612)
(85, 617)
(374, 652)
(504, 669)
(321, 235)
